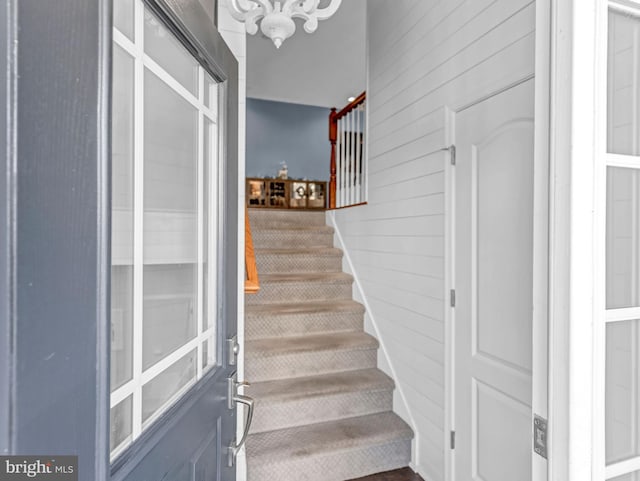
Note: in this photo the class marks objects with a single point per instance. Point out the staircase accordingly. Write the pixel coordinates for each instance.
(323, 410)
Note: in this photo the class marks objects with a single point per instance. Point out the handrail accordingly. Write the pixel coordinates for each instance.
(346, 150)
(252, 282)
(352, 105)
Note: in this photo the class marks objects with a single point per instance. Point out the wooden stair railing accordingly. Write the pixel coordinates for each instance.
(346, 134)
(252, 282)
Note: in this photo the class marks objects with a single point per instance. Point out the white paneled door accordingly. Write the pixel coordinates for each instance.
(494, 287)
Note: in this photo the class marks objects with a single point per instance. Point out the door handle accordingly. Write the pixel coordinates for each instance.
(235, 448)
(235, 398)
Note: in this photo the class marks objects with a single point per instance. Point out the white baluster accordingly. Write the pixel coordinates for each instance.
(339, 180)
(352, 167)
(352, 156)
(339, 164)
(365, 165)
(345, 159)
(356, 165)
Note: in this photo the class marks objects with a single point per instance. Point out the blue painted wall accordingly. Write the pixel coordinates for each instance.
(293, 133)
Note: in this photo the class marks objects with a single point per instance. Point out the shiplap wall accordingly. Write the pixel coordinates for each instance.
(425, 59)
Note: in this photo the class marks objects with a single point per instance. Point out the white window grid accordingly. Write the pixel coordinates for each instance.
(140, 376)
(604, 315)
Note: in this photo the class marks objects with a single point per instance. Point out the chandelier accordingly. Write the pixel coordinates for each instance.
(277, 16)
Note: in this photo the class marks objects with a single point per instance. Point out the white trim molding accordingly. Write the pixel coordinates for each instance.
(575, 82)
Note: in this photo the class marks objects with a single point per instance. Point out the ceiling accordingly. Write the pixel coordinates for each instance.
(323, 68)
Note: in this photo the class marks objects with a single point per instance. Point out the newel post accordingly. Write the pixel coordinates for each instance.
(333, 136)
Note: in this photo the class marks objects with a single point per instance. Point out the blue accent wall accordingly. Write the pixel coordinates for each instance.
(293, 133)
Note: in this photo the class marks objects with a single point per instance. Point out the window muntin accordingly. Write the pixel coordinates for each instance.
(165, 191)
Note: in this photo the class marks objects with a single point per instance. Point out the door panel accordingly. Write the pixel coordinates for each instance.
(58, 257)
(494, 287)
(183, 250)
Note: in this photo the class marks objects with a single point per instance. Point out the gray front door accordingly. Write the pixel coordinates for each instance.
(61, 260)
(173, 244)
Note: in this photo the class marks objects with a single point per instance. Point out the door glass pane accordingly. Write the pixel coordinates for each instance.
(163, 387)
(623, 90)
(622, 400)
(170, 220)
(123, 16)
(122, 219)
(165, 202)
(623, 237)
(169, 310)
(120, 421)
(162, 46)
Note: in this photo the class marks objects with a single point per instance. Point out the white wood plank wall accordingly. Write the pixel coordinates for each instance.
(424, 57)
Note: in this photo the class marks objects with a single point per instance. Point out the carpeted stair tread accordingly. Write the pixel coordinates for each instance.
(300, 318)
(302, 287)
(323, 385)
(324, 438)
(279, 346)
(301, 251)
(318, 398)
(322, 277)
(261, 218)
(298, 308)
(299, 229)
(299, 259)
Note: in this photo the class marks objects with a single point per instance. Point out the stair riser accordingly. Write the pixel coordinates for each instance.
(297, 263)
(279, 292)
(261, 326)
(284, 239)
(259, 369)
(273, 219)
(339, 465)
(286, 414)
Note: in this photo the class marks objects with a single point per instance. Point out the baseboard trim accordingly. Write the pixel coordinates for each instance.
(358, 286)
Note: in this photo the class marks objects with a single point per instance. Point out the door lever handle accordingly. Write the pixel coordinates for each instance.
(235, 447)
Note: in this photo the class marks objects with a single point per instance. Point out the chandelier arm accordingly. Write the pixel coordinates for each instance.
(324, 13)
(267, 6)
(246, 5)
(237, 9)
(292, 7)
(311, 23)
(312, 16)
(286, 8)
(251, 18)
(249, 12)
(310, 5)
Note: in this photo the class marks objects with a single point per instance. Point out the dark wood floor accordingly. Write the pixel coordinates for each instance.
(404, 474)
